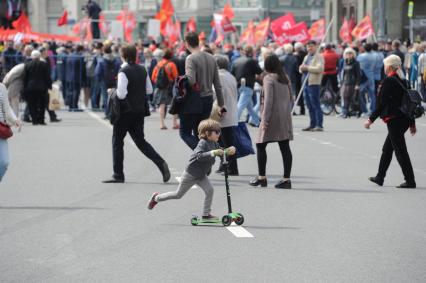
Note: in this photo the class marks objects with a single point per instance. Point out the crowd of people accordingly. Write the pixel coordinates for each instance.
(258, 85)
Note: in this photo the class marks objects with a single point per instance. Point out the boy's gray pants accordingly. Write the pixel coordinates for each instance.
(186, 183)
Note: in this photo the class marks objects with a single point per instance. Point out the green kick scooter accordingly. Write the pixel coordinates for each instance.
(227, 219)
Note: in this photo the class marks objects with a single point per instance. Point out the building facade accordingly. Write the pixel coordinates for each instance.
(44, 13)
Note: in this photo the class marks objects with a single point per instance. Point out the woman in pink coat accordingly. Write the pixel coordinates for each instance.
(276, 124)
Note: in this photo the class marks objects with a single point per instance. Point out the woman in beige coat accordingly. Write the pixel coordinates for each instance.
(276, 124)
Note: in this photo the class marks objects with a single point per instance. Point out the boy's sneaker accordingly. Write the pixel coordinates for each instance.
(152, 202)
(210, 218)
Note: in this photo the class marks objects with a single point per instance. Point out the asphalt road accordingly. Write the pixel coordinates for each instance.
(59, 223)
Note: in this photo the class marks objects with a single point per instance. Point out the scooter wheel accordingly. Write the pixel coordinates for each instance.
(194, 221)
(226, 220)
(239, 220)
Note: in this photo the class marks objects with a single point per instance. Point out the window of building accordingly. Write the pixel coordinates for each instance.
(113, 4)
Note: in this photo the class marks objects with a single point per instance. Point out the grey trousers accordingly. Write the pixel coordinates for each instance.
(186, 183)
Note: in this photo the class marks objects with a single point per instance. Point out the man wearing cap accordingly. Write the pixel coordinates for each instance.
(312, 69)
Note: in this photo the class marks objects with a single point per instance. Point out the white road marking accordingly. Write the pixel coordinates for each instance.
(239, 231)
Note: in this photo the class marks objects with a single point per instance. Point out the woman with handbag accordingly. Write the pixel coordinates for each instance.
(6, 117)
(276, 122)
(389, 101)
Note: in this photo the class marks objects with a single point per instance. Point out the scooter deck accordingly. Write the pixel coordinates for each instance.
(200, 221)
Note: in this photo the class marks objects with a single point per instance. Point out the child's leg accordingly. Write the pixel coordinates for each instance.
(186, 183)
(208, 190)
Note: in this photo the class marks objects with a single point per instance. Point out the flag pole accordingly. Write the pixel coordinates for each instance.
(306, 78)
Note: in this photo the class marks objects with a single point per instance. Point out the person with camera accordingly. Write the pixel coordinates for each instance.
(389, 101)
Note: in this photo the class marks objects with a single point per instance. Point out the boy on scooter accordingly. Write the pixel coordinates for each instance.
(200, 164)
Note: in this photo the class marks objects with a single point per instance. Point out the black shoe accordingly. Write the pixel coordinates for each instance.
(308, 129)
(43, 124)
(376, 180)
(406, 185)
(164, 168)
(283, 184)
(113, 180)
(256, 182)
(55, 120)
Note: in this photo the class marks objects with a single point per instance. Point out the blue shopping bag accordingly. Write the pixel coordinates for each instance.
(243, 141)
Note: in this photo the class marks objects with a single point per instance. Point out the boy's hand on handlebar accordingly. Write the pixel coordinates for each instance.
(230, 150)
(217, 152)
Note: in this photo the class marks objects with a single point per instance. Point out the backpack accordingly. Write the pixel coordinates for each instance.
(110, 74)
(411, 104)
(163, 81)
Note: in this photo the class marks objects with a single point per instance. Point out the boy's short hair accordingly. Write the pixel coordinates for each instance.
(207, 125)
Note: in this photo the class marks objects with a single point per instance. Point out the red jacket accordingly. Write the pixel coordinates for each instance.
(331, 59)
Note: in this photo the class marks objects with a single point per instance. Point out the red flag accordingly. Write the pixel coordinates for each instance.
(191, 26)
(248, 34)
(228, 12)
(103, 25)
(22, 24)
(128, 21)
(297, 33)
(166, 11)
(223, 25)
(345, 31)
(63, 20)
(317, 30)
(261, 31)
(283, 23)
(364, 29)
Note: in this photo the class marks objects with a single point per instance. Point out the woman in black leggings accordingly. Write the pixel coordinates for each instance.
(276, 124)
(389, 101)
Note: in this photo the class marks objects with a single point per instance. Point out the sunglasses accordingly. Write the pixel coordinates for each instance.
(215, 131)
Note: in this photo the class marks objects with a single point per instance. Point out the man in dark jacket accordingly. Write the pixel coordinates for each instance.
(290, 66)
(245, 70)
(75, 74)
(132, 86)
(36, 83)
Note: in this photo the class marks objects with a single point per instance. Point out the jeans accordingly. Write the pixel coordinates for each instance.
(73, 93)
(132, 123)
(104, 95)
(369, 87)
(4, 157)
(256, 108)
(312, 100)
(395, 142)
(245, 101)
(95, 93)
(188, 130)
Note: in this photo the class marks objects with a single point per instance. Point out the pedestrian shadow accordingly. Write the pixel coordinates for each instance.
(271, 227)
(337, 191)
(151, 183)
(49, 208)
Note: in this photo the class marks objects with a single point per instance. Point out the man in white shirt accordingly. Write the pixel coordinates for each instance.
(132, 87)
